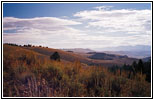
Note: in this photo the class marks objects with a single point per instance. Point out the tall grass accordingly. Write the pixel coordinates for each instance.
(28, 75)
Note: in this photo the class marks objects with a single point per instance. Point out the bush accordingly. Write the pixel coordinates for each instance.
(55, 56)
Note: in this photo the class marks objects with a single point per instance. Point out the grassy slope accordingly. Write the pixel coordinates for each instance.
(68, 56)
(65, 56)
(22, 78)
(16, 52)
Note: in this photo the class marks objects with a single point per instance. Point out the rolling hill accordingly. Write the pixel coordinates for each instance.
(137, 51)
(104, 56)
(79, 50)
(29, 72)
(90, 59)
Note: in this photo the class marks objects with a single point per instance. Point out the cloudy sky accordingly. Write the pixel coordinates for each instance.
(77, 25)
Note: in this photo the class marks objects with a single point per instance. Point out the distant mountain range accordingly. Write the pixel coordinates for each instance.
(146, 59)
(105, 56)
(134, 54)
(138, 51)
(126, 48)
(79, 50)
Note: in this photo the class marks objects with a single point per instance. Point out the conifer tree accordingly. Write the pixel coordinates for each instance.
(55, 56)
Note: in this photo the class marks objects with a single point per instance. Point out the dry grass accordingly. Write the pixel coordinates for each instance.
(28, 73)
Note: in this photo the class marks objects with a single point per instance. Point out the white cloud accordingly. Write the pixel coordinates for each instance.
(36, 23)
(121, 27)
(101, 27)
(39, 31)
(123, 20)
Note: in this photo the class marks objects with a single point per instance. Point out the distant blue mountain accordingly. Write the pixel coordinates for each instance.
(138, 51)
(79, 50)
(126, 48)
(146, 59)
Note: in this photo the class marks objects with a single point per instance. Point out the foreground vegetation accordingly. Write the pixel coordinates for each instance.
(30, 74)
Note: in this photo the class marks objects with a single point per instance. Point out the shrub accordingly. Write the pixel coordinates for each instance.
(55, 56)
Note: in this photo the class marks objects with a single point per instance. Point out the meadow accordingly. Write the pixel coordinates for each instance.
(27, 73)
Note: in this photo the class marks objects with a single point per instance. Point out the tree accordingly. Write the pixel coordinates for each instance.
(134, 67)
(140, 66)
(55, 56)
(29, 45)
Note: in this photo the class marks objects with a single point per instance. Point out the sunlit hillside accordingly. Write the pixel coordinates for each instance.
(71, 56)
(30, 72)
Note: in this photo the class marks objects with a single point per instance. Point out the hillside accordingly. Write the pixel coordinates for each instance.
(64, 55)
(70, 56)
(135, 54)
(104, 56)
(79, 50)
(18, 52)
(146, 59)
(90, 59)
(28, 72)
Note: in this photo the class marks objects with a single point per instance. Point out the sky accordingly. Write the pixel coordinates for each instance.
(77, 25)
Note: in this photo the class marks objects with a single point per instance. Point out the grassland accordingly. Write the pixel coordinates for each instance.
(29, 72)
